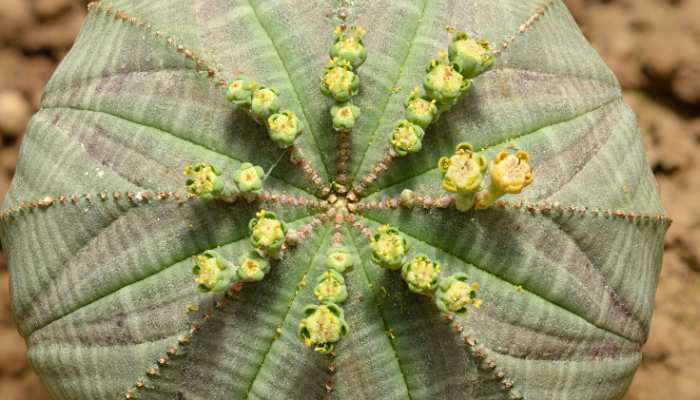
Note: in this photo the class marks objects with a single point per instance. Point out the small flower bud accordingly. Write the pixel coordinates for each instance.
(284, 128)
(407, 198)
(463, 171)
(339, 259)
(348, 46)
(204, 181)
(240, 92)
(470, 57)
(421, 274)
(330, 288)
(252, 268)
(249, 179)
(292, 237)
(339, 82)
(389, 247)
(267, 234)
(407, 138)
(265, 102)
(344, 116)
(322, 327)
(444, 84)
(212, 272)
(454, 294)
(419, 110)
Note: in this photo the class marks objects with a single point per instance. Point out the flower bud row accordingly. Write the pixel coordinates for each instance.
(451, 294)
(206, 182)
(340, 82)
(263, 103)
(324, 325)
(213, 273)
(446, 79)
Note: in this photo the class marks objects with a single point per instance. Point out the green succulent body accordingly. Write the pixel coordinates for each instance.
(341, 260)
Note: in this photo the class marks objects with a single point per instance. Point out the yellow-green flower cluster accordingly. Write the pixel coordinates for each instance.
(455, 294)
(204, 181)
(213, 273)
(446, 79)
(249, 179)
(324, 325)
(389, 247)
(267, 234)
(465, 173)
(330, 288)
(407, 137)
(253, 267)
(264, 104)
(421, 274)
(470, 57)
(340, 81)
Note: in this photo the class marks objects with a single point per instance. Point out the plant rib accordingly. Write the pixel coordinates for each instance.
(212, 72)
(354, 179)
(524, 27)
(203, 65)
(289, 306)
(312, 173)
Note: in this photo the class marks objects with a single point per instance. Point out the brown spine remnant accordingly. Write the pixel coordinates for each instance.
(201, 65)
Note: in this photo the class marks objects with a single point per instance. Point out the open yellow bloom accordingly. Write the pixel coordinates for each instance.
(511, 173)
(463, 172)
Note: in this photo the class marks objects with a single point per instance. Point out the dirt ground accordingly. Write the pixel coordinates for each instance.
(652, 45)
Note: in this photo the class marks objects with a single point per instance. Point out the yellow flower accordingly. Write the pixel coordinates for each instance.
(511, 173)
(463, 172)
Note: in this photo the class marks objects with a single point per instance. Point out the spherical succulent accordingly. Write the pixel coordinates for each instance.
(448, 216)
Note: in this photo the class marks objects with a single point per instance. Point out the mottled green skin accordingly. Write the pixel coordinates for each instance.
(100, 290)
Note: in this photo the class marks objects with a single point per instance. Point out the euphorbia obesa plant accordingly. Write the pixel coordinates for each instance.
(460, 207)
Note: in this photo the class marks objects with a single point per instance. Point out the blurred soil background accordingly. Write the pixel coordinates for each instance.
(652, 45)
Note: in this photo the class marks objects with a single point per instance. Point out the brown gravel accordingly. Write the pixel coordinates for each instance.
(652, 45)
